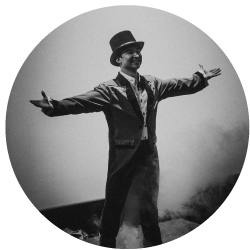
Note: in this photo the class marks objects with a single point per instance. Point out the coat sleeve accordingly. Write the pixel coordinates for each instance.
(182, 86)
(95, 100)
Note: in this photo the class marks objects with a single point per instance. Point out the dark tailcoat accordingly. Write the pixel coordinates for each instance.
(118, 101)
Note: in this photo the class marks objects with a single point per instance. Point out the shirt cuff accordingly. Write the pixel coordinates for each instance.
(203, 73)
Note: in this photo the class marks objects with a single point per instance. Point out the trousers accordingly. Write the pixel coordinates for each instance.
(116, 193)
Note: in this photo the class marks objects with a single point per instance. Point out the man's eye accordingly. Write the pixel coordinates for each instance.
(132, 52)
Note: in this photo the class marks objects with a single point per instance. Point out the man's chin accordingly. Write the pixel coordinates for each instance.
(136, 65)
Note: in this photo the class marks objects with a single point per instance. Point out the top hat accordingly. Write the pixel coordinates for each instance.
(121, 41)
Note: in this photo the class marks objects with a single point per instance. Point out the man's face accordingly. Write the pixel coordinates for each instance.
(130, 58)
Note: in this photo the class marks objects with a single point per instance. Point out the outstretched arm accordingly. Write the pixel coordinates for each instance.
(93, 101)
(186, 86)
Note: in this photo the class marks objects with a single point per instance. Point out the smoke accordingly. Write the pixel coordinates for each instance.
(130, 237)
(204, 155)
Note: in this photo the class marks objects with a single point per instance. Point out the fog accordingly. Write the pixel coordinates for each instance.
(219, 152)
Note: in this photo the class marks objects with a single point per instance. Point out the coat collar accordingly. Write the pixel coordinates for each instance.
(123, 82)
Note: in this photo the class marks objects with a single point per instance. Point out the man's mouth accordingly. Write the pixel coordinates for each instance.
(135, 61)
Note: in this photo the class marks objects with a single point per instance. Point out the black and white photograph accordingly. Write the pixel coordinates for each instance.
(127, 127)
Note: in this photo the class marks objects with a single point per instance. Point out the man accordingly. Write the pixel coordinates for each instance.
(129, 103)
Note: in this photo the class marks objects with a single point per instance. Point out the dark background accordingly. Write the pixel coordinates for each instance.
(76, 216)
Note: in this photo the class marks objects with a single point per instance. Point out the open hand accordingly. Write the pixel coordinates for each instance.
(44, 103)
(211, 73)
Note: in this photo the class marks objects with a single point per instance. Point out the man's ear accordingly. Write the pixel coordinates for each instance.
(118, 60)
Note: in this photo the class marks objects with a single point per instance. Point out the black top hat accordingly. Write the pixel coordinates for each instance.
(119, 42)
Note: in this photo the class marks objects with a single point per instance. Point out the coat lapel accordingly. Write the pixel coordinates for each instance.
(150, 97)
(122, 81)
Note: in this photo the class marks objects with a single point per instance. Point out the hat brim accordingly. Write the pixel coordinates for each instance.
(116, 52)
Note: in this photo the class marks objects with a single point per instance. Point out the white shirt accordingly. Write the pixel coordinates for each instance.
(142, 98)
